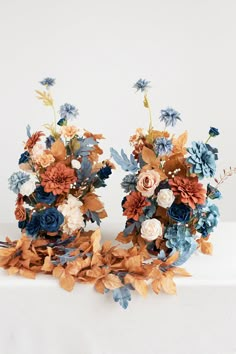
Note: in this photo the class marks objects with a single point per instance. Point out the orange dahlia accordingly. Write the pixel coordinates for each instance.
(58, 179)
(134, 204)
(33, 140)
(189, 190)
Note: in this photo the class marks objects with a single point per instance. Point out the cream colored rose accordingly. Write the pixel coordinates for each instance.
(69, 131)
(45, 160)
(147, 182)
(28, 187)
(165, 198)
(73, 217)
(151, 229)
(76, 164)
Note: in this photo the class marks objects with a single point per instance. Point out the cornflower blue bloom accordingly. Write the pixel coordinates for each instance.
(208, 216)
(180, 239)
(169, 116)
(202, 159)
(48, 82)
(213, 132)
(16, 180)
(142, 85)
(162, 146)
(68, 111)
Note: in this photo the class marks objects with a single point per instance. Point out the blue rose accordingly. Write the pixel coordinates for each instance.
(213, 132)
(44, 197)
(24, 157)
(51, 220)
(180, 212)
(104, 172)
(33, 227)
(212, 192)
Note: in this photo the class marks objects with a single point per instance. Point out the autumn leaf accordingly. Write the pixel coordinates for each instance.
(67, 281)
(152, 162)
(180, 271)
(180, 143)
(156, 286)
(47, 265)
(168, 285)
(206, 247)
(112, 281)
(13, 270)
(123, 239)
(139, 284)
(58, 150)
(92, 202)
(95, 240)
(100, 287)
(172, 259)
(27, 273)
(133, 264)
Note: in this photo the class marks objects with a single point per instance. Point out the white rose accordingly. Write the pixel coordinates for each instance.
(165, 198)
(151, 229)
(76, 164)
(72, 214)
(28, 187)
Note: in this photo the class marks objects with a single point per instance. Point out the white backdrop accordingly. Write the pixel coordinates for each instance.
(97, 50)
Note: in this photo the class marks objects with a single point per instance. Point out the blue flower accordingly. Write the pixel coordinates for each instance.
(162, 146)
(212, 192)
(51, 220)
(169, 116)
(16, 180)
(104, 172)
(180, 212)
(24, 157)
(44, 197)
(208, 216)
(129, 183)
(33, 227)
(48, 82)
(202, 159)
(68, 111)
(213, 132)
(142, 85)
(49, 141)
(180, 239)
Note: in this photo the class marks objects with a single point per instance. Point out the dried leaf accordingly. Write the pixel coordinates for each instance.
(58, 271)
(12, 270)
(58, 150)
(156, 285)
(67, 281)
(92, 202)
(181, 272)
(27, 273)
(141, 287)
(47, 265)
(95, 240)
(133, 263)
(206, 247)
(100, 287)
(112, 281)
(168, 285)
(172, 258)
(123, 239)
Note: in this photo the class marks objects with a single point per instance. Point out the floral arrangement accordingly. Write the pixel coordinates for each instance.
(59, 175)
(169, 211)
(169, 203)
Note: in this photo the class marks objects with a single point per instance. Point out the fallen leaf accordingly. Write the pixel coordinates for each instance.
(67, 281)
(168, 285)
(156, 286)
(95, 240)
(99, 286)
(112, 281)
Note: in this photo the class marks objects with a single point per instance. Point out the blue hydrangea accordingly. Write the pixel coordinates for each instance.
(142, 85)
(169, 116)
(213, 132)
(162, 146)
(68, 111)
(129, 183)
(207, 216)
(48, 82)
(202, 159)
(16, 180)
(179, 238)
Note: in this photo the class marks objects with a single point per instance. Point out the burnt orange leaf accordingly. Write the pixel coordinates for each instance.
(112, 281)
(180, 271)
(47, 265)
(156, 286)
(67, 281)
(92, 202)
(206, 247)
(172, 258)
(12, 270)
(95, 240)
(133, 263)
(58, 150)
(141, 287)
(123, 239)
(180, 143)
(152, 161)
(58, 271)
(27, 273)
(168, 285)
(99, 286)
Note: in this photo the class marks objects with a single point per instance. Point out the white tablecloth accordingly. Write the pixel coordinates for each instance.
(38, 317)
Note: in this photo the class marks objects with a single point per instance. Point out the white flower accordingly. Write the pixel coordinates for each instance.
(76, 164)
(73, 217)
(38, 150)
(151, 229)
(165, 198)
(28, 187)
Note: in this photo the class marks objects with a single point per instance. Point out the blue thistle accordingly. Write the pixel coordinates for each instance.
(142, 85)
(169, 116)
(48, 82)
(162, 146)
(68, 111)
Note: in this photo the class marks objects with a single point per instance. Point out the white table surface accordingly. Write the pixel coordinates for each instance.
(37, 316)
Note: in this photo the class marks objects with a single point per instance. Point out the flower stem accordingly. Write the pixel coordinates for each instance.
(55, 117)
(146, 100)
(209, 137)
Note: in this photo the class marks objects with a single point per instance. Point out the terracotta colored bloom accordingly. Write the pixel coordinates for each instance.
(20, 213)
(45, 160)
(69, 131)
(134, 205)
(189, 190)
(58, 179)
(33, 140)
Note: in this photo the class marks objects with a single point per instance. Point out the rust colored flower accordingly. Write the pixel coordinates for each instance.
(134, 204)
(33, 140)
(20, 213)
(189, 190)
(58, 179)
